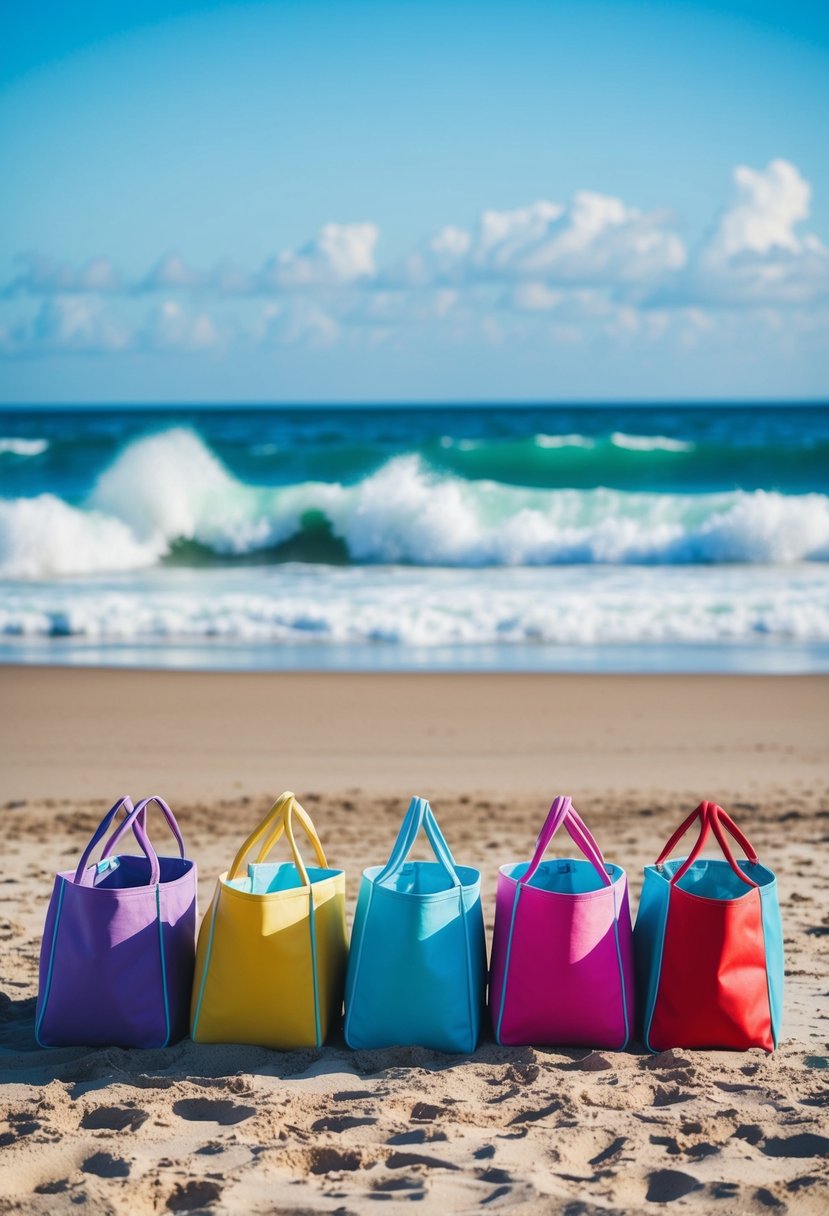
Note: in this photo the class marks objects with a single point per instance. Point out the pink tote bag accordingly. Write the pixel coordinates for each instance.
(562, 954)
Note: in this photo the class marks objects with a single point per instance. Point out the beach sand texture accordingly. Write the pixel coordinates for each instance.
(215, 1128)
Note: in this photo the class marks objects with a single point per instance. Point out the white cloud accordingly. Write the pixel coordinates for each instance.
(43, 276)
(755, 254)
(297, 323)
(769, 203)
(593, 269)
(594, 239)
(535, 297)
(339, 254)
(85, 325)
(172, 273)
(66, 324)
(170, 327)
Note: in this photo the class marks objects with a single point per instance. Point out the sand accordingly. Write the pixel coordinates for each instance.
(82, 733)
(222, 1129)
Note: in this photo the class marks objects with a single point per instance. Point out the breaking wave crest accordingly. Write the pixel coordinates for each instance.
(168, 498)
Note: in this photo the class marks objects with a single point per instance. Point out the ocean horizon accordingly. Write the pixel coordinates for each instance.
(614, 537)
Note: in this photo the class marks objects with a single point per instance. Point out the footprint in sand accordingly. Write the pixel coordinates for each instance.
(413, 1187)
(670, 1097)
(341, 1123)
(418, 1135)
(212, 1110)
(496, 1176)
(764, 1197)
(498, 1193)
(57, 1187)
(533, 1116)
(193, 1196)
(667, 1059)
(104, 1165)
(22, 1124)
(695, 1151)
(332, 1160)
(399, 1161)
(804, 1144)
(612, 1149)
(114, 1118)
(664, 1186)
(802, 1183)
(750, 1132)
(425, 1112)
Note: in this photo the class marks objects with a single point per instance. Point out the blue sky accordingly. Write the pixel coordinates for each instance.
(413, 201)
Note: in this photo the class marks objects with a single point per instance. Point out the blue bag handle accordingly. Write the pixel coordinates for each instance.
(419, 815)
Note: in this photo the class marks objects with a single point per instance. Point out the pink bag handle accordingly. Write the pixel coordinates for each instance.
(141, 815)
(712, 818)
(84, 873)
(563, 812)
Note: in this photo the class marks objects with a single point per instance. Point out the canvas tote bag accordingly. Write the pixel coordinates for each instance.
(709, 944)
(417, 965)
(116, 960)
(272, 948)
(562, 951)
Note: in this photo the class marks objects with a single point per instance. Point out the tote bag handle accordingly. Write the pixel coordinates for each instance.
(419, 815)
(712, 819)
(83, 874)
(141, 815)
(281, 815)
(307, 825)
(563, 812)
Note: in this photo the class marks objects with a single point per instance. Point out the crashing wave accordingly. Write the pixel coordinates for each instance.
(169, 491)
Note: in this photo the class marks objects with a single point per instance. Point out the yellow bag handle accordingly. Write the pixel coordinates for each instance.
(278, 820)
(307, 826)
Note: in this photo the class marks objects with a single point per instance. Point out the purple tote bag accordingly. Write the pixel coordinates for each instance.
(116, 961)
(562, 952)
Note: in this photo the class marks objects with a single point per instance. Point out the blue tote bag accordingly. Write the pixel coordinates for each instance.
(417, 964)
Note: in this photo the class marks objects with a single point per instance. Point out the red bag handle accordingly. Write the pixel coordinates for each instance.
(712, 819)
(720, 820)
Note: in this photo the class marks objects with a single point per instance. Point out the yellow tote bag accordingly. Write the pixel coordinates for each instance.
(272, 948)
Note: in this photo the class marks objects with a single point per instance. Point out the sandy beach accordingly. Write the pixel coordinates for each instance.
(199, 1128)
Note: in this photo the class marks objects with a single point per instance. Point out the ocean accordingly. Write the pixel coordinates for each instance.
(619, 538)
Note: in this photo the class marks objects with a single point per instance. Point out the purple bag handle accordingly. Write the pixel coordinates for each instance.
(141, 816)
(84, 874)
(563, 812)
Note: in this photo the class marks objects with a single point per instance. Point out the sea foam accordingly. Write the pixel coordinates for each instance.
(23, 447)
(169, 488)
(298, 605)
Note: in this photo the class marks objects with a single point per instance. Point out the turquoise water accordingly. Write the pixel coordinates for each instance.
(644, 538)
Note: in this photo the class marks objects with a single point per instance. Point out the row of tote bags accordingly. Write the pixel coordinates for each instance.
(273, 961)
